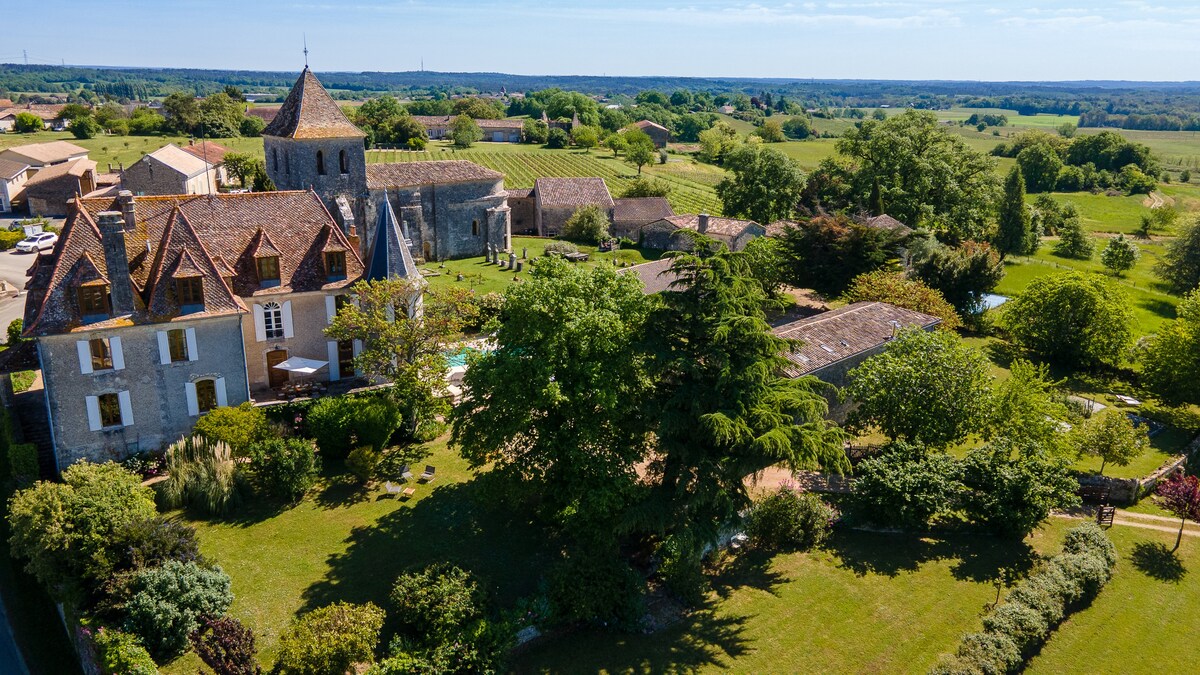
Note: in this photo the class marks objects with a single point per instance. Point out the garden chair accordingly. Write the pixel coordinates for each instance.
(405, 473)
(428, 475)
(392, 488)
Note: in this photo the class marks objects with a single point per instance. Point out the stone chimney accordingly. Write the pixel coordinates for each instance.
(125, 197)
(702, 223)
(355, 243)
(116, 259)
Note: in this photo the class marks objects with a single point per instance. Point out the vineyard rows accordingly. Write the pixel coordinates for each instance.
(521, 169)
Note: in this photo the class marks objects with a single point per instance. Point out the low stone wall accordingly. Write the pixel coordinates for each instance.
(1128, 491)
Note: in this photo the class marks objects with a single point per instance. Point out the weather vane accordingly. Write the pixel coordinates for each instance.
(305, 38)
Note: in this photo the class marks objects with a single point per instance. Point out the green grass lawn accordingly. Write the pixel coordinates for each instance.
(105, 150)
(1169, 443)
(347, 543)
(484, 278)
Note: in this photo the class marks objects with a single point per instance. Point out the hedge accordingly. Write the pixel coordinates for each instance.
(10, 238)
(1014, 631)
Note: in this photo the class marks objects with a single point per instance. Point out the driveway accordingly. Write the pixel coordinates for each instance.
(12, 270)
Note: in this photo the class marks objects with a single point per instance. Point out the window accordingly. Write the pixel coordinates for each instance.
(343, 162)
(101, 354)
(268, 269)
(340, 301)
(335, 264)
(273, 320)
(345, 357)
(320, 162)
(177, 341)
(190, 290)
(275, 158)
(206, 395)
(93, 300)
(110, 410)
(475, 227)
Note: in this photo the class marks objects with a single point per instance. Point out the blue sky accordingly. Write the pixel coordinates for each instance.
(863, 39)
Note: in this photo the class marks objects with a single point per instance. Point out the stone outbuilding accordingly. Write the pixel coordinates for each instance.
(657, 132)
(557, 199)
(667, 234)
(631, 214)
(48, 192)
(170, 170)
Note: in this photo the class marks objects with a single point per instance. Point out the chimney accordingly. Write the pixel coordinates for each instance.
(353, 237)
(116, 259)
(702, 223)
(125, 197)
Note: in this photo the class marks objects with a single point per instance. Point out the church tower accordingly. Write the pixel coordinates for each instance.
(311, 143)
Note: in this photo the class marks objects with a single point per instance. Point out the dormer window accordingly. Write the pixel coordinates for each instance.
(268, 270)
(320, 163)
(190, 291)
(93, 301)
(335, 264)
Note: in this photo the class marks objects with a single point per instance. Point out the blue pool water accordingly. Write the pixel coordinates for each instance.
(458, 358)
(992, 301)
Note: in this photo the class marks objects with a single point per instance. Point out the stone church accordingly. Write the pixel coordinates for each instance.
(446, 209)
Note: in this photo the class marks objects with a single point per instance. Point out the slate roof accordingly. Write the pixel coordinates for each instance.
(310, 112)
(641, 209)
(45, 153)
(656, 275)
(718, 226)
(11, 168)
(846, 332)
(175, 158)
(389, 256)
(411, 174)
(572, 192)
(213, 235)
(207, 151)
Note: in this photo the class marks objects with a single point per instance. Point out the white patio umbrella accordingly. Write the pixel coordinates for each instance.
(301, 365)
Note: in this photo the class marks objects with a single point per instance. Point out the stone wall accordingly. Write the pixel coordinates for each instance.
(149, 176)
(457, 220)
(292, 165)
(157, 391)
(524, 215)
(310, 316)
(1128, 491)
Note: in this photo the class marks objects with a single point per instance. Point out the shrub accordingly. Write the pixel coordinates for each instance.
(201, 474)
(1089, 538)
(14, 332)
(330, 639)
(362, 462)
(595, 588)
(374, 420)
(557, 139)
(239, 427)
(588, 225)
(226, 646)
(905, 487)
(789, 519)
(1022, 624)
(1044, 595)
(120, 653)
(23, 463)
(284, 468)
(152, 542)
(560, 248)
(9, 238)
(328, 422)
(991, 653)
(1012, 492)
(169, 601)
(682, 569)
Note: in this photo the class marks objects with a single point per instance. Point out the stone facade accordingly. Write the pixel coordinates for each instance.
(332, 167)
(448, 220)
(153, 395)
(151, 176)
(305, 317)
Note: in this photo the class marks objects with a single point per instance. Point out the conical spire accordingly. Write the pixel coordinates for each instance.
(389, 257)
(310, 112)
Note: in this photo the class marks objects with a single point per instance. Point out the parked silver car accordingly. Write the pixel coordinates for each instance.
(37, 242)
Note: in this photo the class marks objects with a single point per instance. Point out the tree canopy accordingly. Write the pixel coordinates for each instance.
(765, 184)
(1073, 318)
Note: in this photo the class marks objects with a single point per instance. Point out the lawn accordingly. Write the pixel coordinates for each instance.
(115, 150)
(486, 278)
(346, 543)
(874, 603)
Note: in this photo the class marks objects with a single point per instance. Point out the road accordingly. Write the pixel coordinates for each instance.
(12, 270)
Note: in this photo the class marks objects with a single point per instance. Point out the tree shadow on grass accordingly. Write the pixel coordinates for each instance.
(980, 558)
(448, 524)
(749, 568)
(704, 639)
(339, 492)
(1157, 561)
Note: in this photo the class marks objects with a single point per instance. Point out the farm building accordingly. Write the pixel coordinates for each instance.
(13, 175)
(41, 155)
(47, 112)
(48, 192)
(557, 199)
(833, 343)
(171, 170)
(495, 131)
(631, 214)
(657, 132)
(666, 234)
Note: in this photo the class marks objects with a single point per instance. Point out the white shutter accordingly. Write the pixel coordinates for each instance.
(126, 408)
(93, 412)
(222, 400)
(330, 308)
(287, 320)
(164, 348)
(118, 354)
(260, 328)
(192, 403)
(193, 353)
(85, 356)
(357, 350)
(332, 353)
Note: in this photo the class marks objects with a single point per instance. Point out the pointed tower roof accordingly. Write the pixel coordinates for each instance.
(389, 257)
(310, 112)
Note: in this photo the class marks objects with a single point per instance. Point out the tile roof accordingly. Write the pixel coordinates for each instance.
(207, 151)
(43, 111)
(45, 153)
(656, 276)
(778, 227)
(310, 112)
(58, 182)
(722, 227)
(647, 124)
(215, 235)
(412, 174)
(839, 334)
(886, 222)
(572, 192)
(641, 209)
(11, 168)
(445, 120)
(519, 193)
(175, 158)
(265, 114)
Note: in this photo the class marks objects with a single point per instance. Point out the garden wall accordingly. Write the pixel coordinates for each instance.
(1129, 491)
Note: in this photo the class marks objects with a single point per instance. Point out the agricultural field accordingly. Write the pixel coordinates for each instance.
(691, 190)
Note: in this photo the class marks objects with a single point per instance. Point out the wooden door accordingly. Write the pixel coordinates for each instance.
(276, 377)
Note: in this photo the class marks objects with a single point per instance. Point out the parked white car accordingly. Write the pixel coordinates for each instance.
(37, 242)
